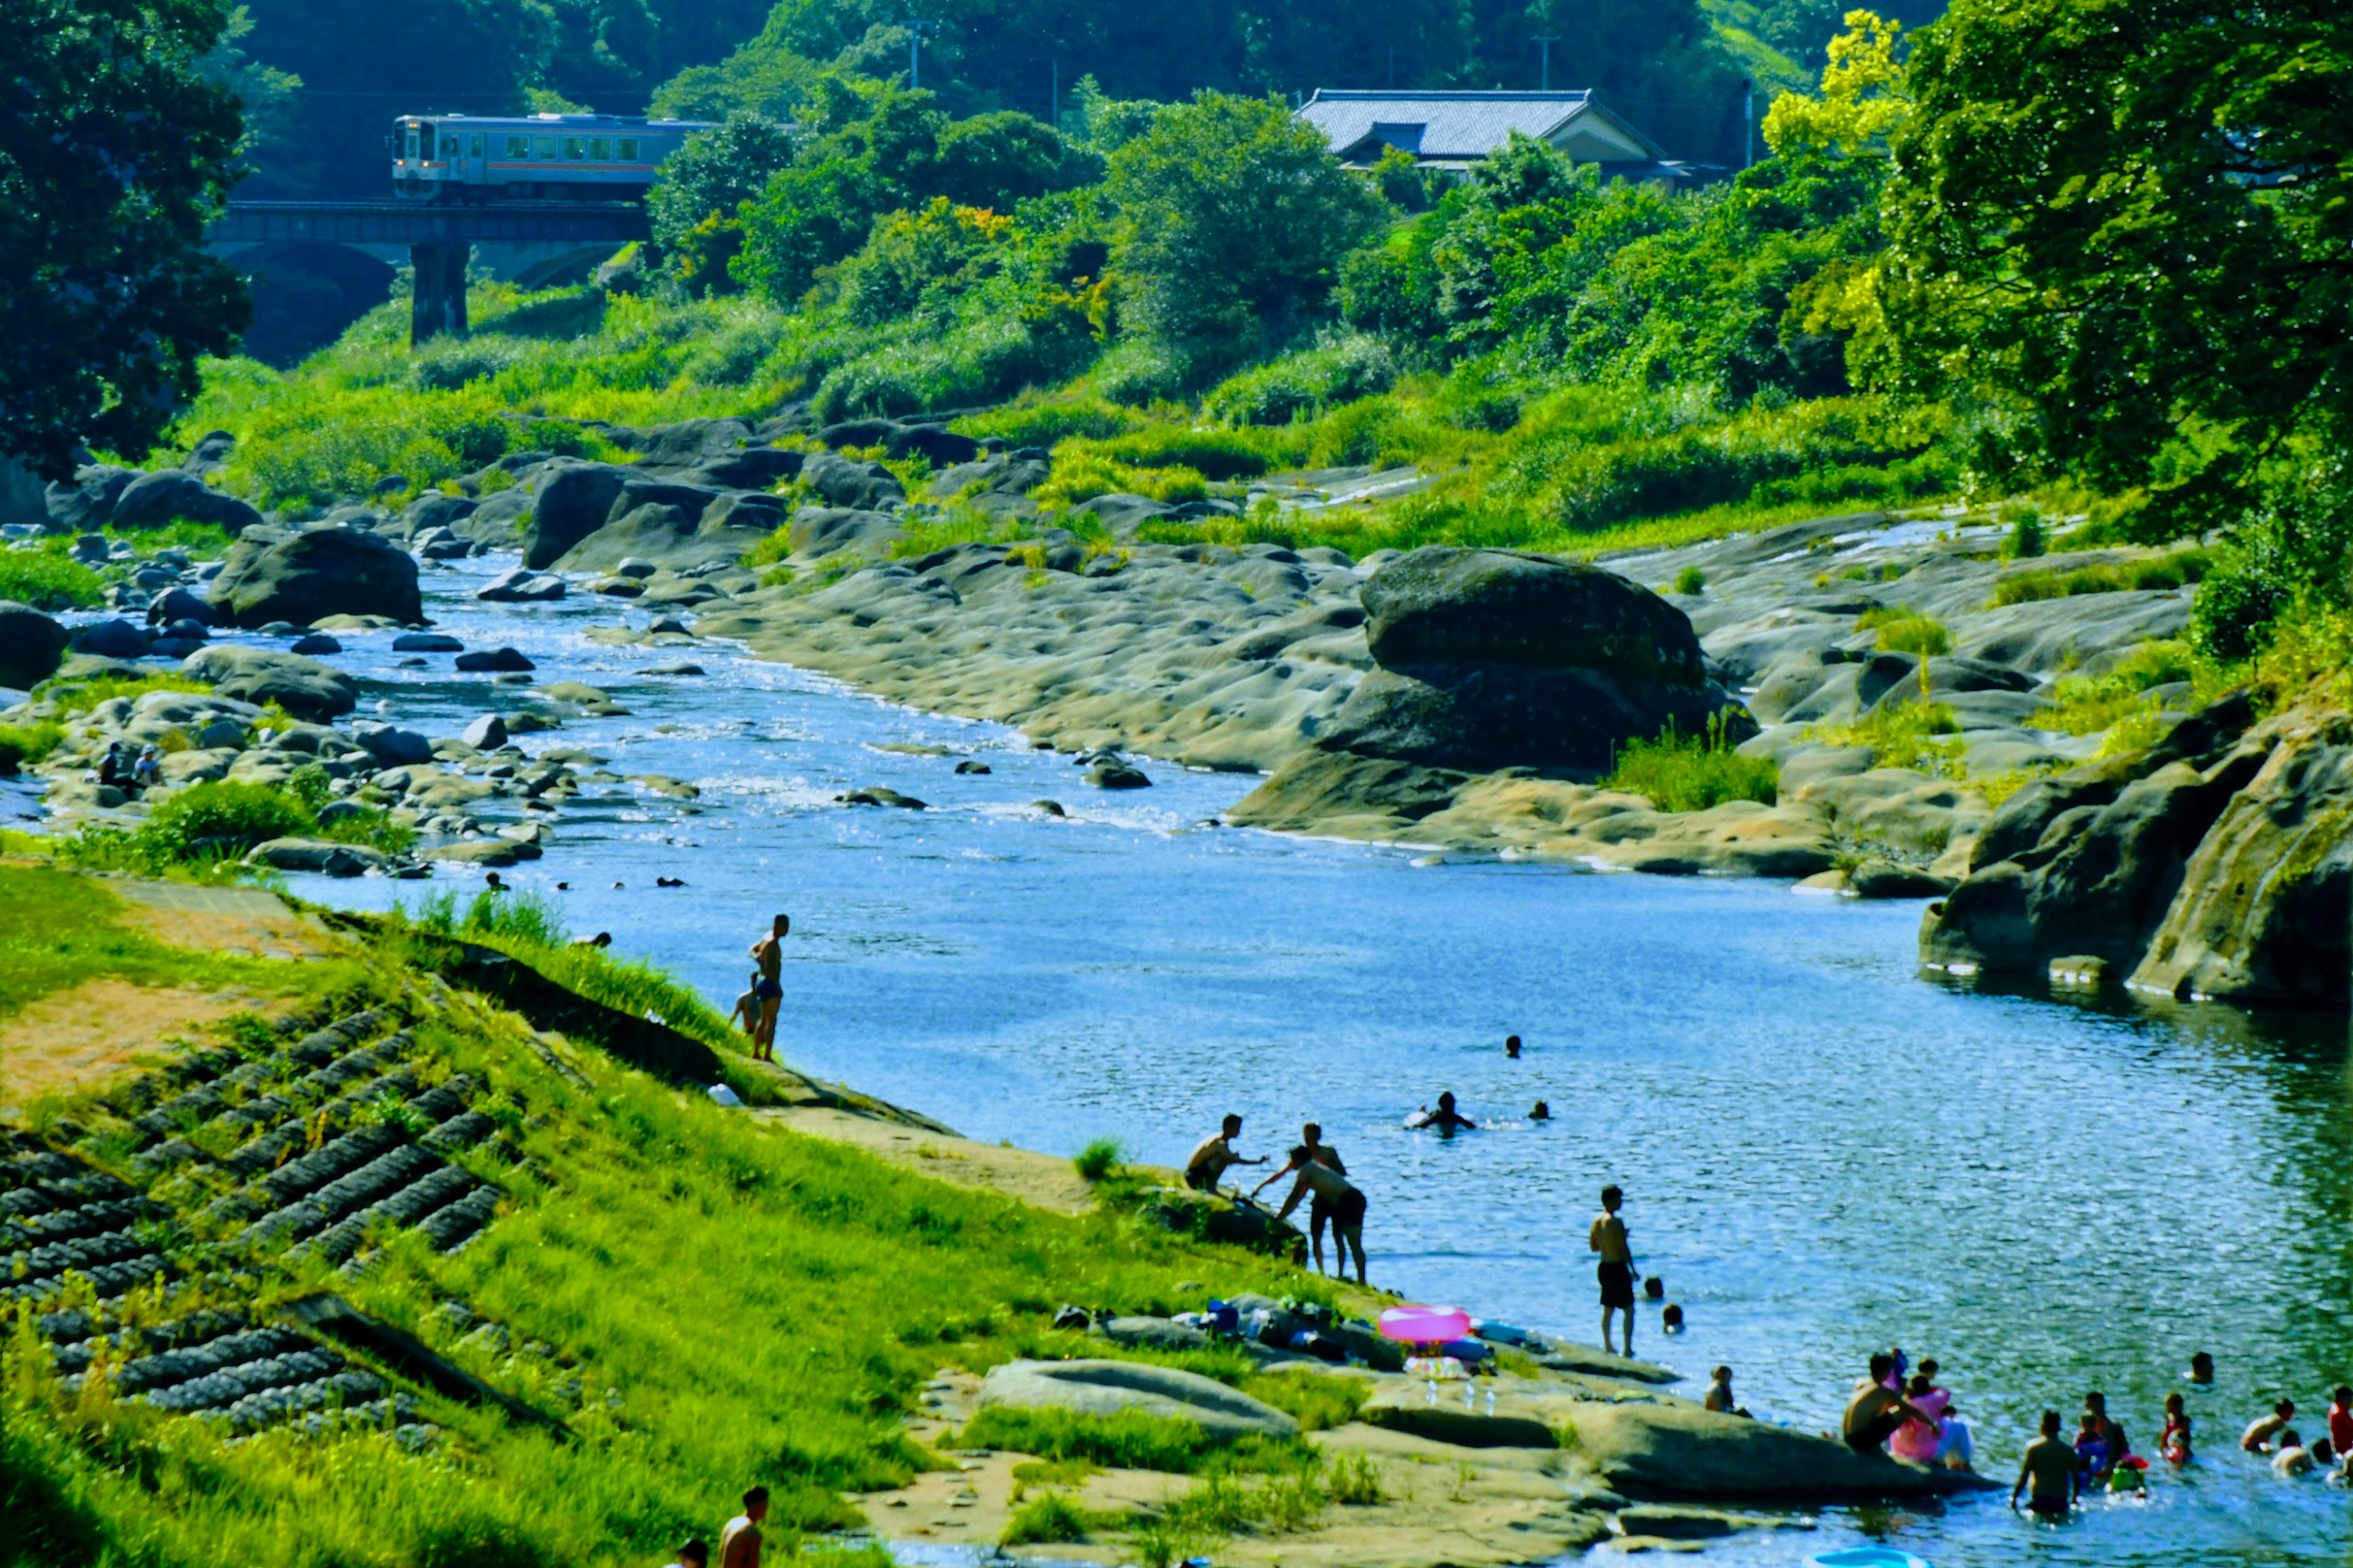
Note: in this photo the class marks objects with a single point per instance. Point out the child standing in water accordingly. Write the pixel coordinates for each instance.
(2174, 1444)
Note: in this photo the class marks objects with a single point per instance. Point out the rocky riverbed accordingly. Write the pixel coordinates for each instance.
(1470, 702)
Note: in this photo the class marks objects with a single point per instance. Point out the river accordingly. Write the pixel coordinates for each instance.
(1824, 1151)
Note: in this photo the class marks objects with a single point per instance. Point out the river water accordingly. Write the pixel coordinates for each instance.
(1824, 1150)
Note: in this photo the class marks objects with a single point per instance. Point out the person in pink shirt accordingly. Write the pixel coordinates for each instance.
(1918, 1441)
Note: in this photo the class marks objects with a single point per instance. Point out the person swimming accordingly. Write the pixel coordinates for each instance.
(2173, 1443)
(1543, 1112)
(1446, 1119)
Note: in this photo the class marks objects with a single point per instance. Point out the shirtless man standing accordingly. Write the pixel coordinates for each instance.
(2050, 1468)
(1345, 1201)
(1319, 1213)
(768, 955)
(1616, 1272)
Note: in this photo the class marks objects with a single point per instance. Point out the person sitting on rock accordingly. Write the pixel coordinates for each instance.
(1876, 1410)
(1912, 1441)
(1208, 1162)
(1956, 1446)
(148, 771)
(1719, 1394)
(746, 1015)
(2261, 1432)
(111, 768)
(1345, 1204)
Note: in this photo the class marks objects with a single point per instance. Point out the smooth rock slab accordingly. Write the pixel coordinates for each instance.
(1108, 1387)
(426, 642)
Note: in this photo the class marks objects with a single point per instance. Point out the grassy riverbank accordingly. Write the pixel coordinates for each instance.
(706, 1299)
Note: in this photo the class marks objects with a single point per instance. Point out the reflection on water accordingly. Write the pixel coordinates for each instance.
(1824, 1151)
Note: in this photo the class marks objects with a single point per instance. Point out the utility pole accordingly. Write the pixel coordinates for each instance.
(914, 55)
(1749, 123)
(1544, 41)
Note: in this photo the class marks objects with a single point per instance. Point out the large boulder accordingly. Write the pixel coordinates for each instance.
(1108, 1387)
(437, 509)
(2266, 900)
(822, 530)
(180, 604)
(662, 533)
(571, 499)
(303, 687)
(170, 495)
(31, 646)
(112, 639)
(1674, 1448)
(841, 481)
(303, 578)
(944, 448)
(87, 504)
(755, 468)
(1493, 659)
(1440, 604)
(24, 499)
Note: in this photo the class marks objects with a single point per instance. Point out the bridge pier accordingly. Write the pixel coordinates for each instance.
(436, 301)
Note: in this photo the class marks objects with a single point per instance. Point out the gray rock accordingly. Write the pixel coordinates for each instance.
(1444, 606)
(31, 646)
(1483, 717)
(304, 577)
(426, 642)
(487, 733)
(521, 586)
(1108, 1387)
(1152, 1333)
(1891, 880)
(843, 482)
(180, 604)
(2051, 636)
(944, 448)
(673, 667)
(876, 794)
(315, 645)
(304, 688)
(88, 504)
(570, 500)
(169, 495)
(497, 660)
(318, 855)
(658, 532)
(112, 639)
(633, 566)
(822, 531)
(752, 468)
(221, 734)
(1113, 774)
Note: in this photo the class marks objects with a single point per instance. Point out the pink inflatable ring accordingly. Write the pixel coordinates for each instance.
(1425, 1325)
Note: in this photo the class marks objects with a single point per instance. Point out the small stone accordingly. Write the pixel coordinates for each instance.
(1110, 774)
(426, 642)
(969, 767)
(316, 643)
(494, 661)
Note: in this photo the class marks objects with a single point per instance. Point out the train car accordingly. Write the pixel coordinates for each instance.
(532, 157)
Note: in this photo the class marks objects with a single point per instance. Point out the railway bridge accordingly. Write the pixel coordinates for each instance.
(439, 240)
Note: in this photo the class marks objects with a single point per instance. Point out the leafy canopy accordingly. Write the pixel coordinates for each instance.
(114, 150)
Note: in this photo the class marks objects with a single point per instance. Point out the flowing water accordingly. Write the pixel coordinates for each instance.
(1824, 1151)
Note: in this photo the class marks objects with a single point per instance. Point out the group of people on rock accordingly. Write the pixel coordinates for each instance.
(1912, 1417)
(1319, 1177)
(127, 772)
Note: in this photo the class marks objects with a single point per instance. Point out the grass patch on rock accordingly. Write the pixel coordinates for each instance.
(1694, 773)
(2175, 569)
(1924, 736)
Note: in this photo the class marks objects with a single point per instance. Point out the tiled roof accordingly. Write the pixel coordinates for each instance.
(1453, 126)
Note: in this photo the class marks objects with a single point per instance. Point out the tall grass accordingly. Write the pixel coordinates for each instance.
(2175, 569)
(1694, 773)
(1907, 631)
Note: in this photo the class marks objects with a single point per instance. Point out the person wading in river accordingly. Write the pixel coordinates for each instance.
(2052, 1465)
(739, 1540)
(1616, 1271)
(1347, 1204)
(768, 955)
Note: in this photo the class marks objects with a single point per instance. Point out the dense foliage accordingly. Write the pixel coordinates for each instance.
(114, 150)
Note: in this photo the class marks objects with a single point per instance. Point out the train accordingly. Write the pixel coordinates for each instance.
(534, 157)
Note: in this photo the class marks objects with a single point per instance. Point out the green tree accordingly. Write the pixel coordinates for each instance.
(1234, 218)
(996, 160)
(692, 207)
(2132, 222)
(114, 151)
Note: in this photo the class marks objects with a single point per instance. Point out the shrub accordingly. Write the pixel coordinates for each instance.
(1921, 735)
(1304, 383)
(23, 744)
(1694, 773)
(2085, 705)
(1356, 1482)
(1128, 1440)
(1049, 1516)
(1098, 1159)
(1691, 580)
(222, 820)
(2027, 536)
(1082, 472)
(1033, 421)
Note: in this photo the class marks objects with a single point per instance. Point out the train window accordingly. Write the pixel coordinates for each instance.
(450, 145)
(409, 156)
(600, 151)
(519, 147)
(474, 145)
(544, 147)
(629, 149)
(572, 149)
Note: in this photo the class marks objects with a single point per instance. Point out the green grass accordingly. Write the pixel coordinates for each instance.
(59, 929)
(73, 698)
(1317, 1400)
(1048, 1517)
(1694, 773)
(1921, 735)
(1691, 580)
(2086, 705)
(1129, 1440)
(2174, 568)
(1356, 1482)
(1907, 631)
(757, 1304)
(1099, 1159)
(48, 580)
(24, 744)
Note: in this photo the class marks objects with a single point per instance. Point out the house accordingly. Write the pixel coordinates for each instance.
(1453, 131)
